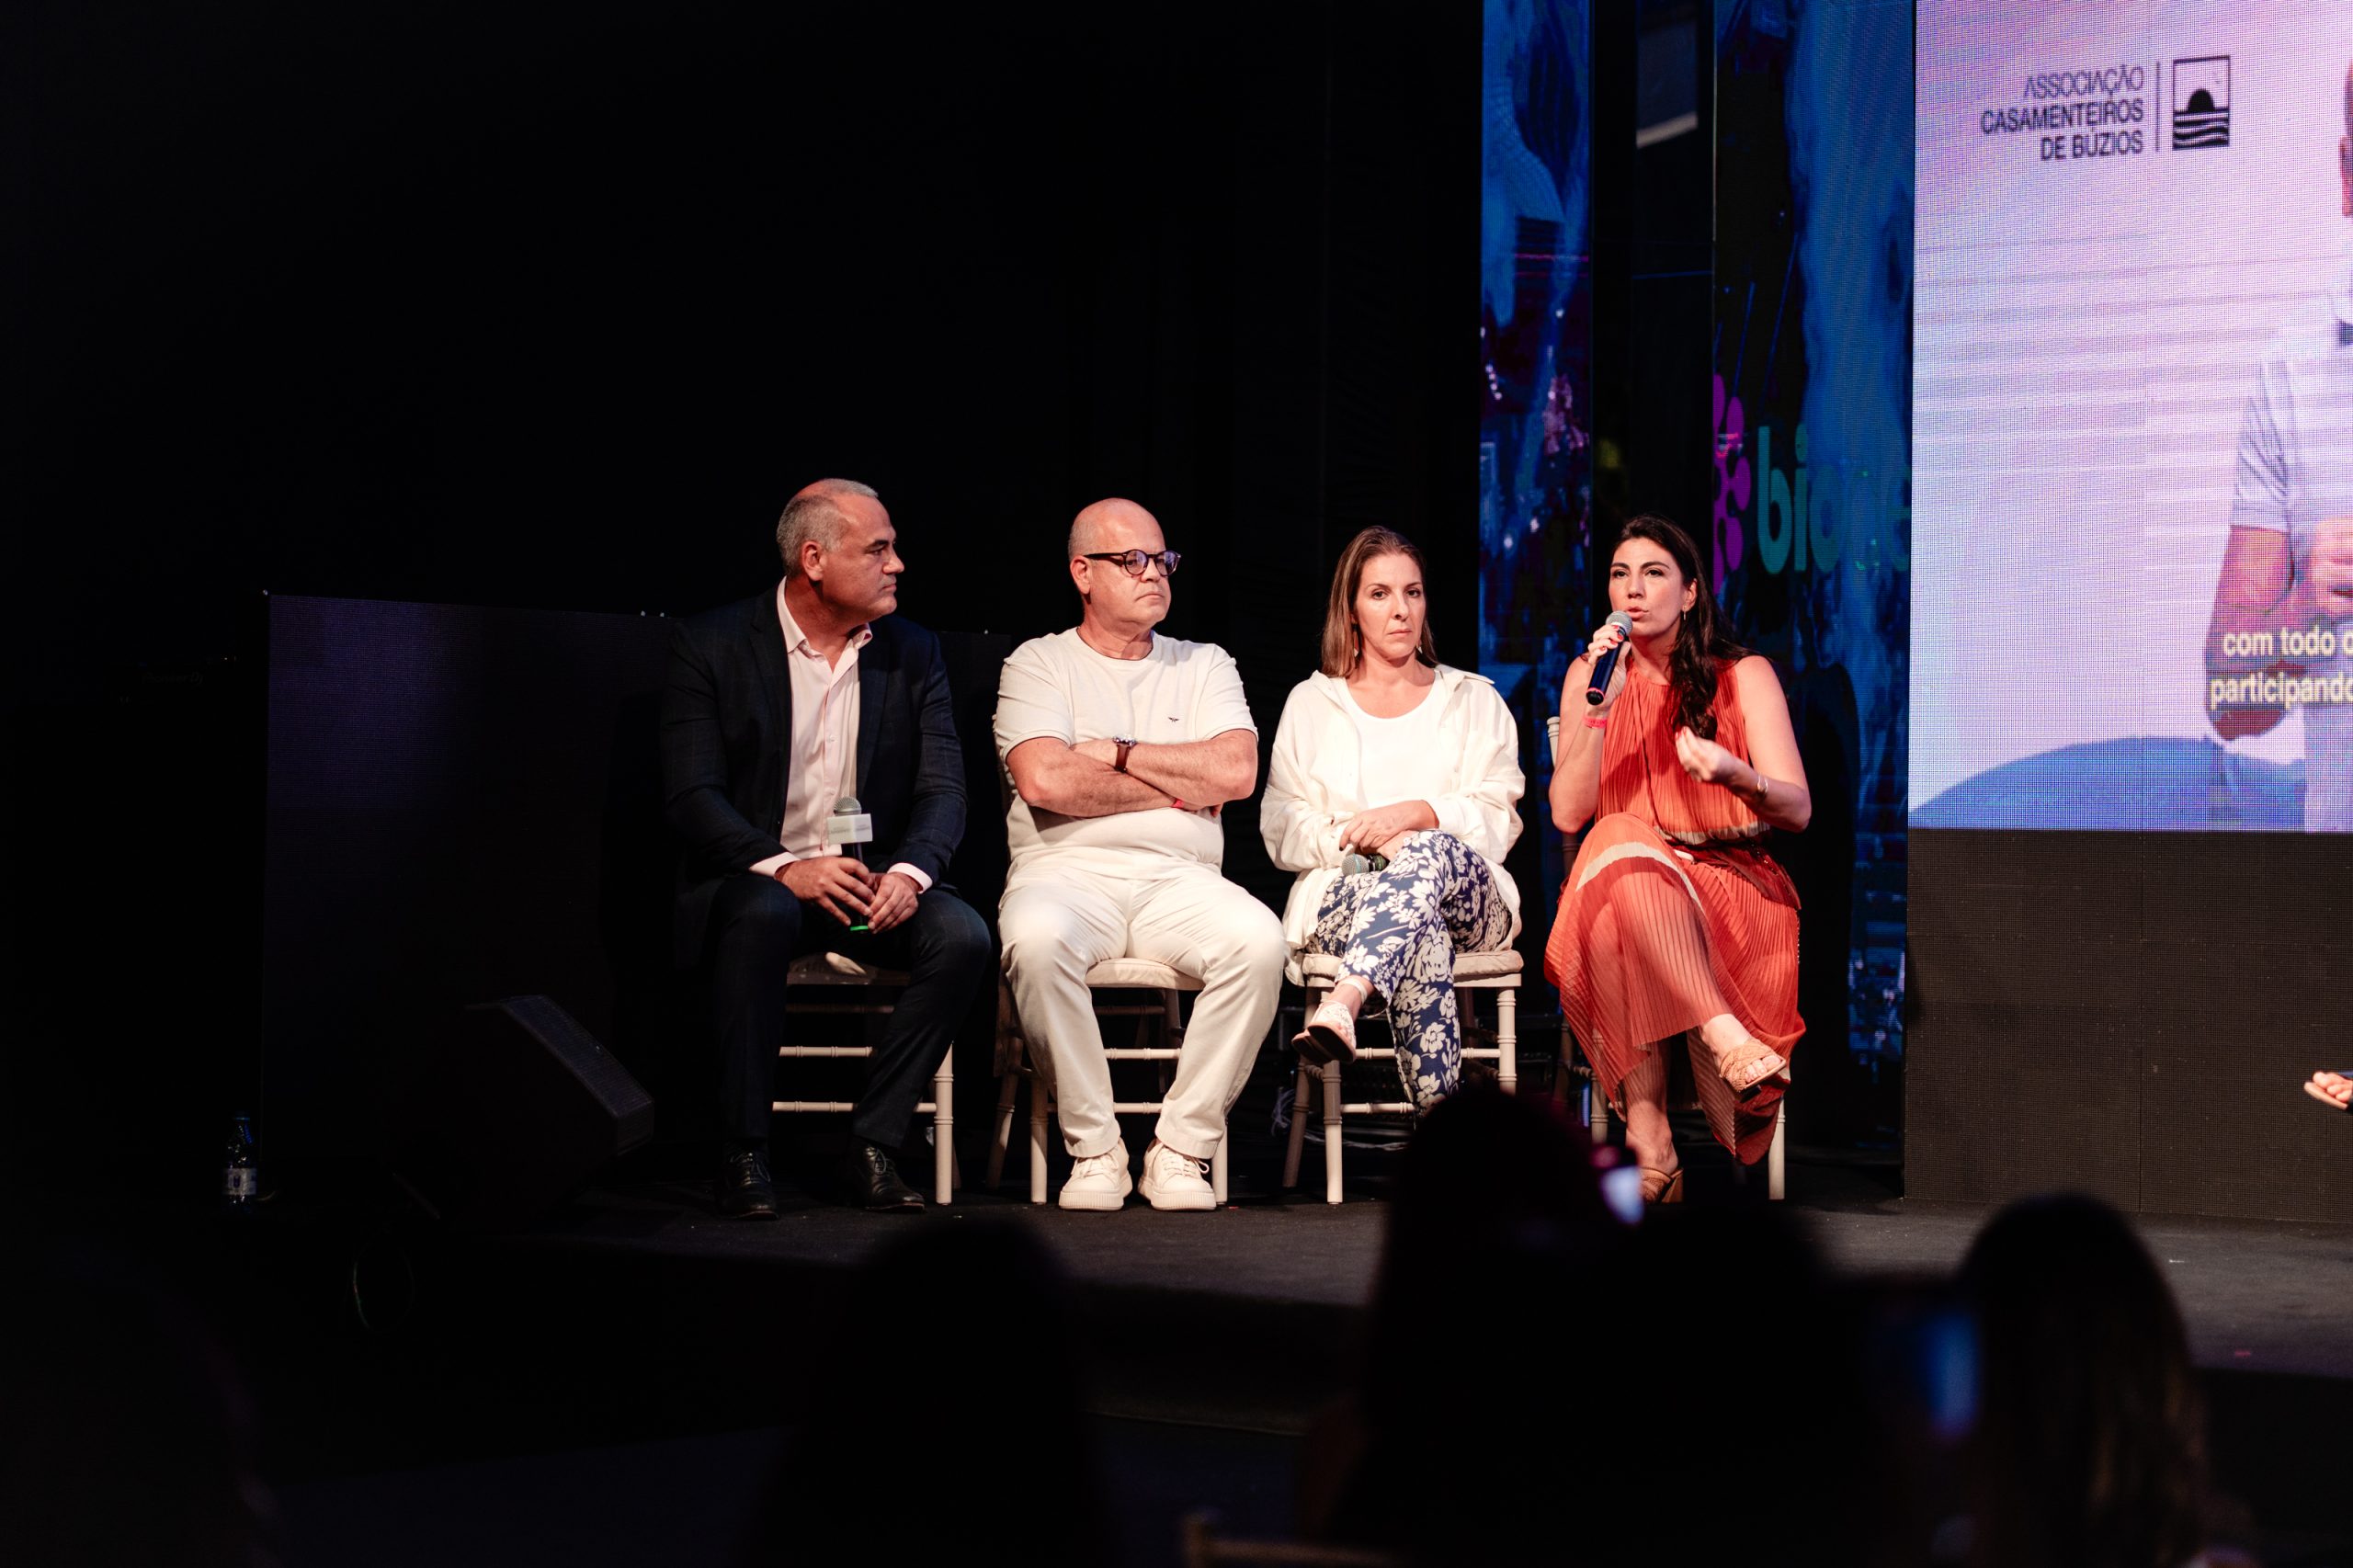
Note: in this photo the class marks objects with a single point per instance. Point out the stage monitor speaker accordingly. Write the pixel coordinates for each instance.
(523, 1107)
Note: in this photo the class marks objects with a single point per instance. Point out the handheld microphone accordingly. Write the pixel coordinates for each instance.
(1604, 666)
(846, 830)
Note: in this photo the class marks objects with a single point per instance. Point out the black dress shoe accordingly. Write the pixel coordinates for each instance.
(743, 1186)
(869, 1181)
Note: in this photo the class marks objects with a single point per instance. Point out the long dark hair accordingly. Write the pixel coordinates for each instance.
(2089, 1449)
(1702, 648)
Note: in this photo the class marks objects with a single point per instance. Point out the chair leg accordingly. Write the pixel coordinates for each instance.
(1562, 1055)
(1507, 1039)
(1563, 1080)
(1299, 1098)
(1038, 1109)
(943, 1131)
(1597, 1101)
(1007, 1087)
(1329, 1076)
(1217, 1171)
(1776, 1160)
(1332, 1117)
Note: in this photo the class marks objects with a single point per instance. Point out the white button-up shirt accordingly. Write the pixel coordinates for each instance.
(825, 744)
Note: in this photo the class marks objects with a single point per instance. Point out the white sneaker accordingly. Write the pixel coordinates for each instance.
(1099, 1181)
(1172, 1180)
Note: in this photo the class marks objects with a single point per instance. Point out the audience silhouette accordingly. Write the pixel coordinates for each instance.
(2089, 1449)
(130, 1438)
(944, 1419)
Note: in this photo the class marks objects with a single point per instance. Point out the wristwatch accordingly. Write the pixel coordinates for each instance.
(1120, 763)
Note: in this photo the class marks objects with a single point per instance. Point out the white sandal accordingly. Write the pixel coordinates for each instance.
(1331, 1032)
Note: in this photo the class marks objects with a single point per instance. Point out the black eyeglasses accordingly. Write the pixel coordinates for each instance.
(1133, 561)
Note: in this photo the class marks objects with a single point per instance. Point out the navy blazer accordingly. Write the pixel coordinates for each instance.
(726, 725)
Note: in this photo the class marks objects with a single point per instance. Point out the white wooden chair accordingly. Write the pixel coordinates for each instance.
(1317, 972)
(1015, 1061)
(825, 984)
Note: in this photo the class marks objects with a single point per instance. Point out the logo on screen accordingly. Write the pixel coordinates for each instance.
(2201, 102)
(1732, 485)
(1808, 518)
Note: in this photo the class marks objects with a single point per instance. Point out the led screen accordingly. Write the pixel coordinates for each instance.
(2132, 464)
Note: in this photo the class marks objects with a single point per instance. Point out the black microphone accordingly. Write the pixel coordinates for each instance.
(1603, 666)
(846, 829)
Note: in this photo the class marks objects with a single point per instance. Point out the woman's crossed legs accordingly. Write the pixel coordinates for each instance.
(1396, 932)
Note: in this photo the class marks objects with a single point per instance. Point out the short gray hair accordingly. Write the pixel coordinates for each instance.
(812, 515)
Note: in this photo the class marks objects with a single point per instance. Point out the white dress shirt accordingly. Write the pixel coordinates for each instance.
(825, 746)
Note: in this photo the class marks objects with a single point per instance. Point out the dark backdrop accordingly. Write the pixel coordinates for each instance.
(2129, 1014)
(553, 309)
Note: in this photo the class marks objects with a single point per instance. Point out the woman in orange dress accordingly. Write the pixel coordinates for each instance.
(1675, 945)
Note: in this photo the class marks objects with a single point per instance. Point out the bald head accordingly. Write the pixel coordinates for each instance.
(1120, 606)
(815, 515)
(1107, 519)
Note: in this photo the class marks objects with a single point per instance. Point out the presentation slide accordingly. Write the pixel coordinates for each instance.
(2132, 417)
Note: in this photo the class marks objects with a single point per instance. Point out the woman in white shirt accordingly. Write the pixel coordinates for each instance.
(1386, 754)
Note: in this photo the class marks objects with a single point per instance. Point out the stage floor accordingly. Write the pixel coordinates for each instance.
(617, 1339)
(2257, 1298)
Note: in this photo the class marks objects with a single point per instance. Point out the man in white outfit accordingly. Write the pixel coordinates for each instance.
(1123, 746)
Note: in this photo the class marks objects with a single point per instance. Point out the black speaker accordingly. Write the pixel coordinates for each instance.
(523, 1107)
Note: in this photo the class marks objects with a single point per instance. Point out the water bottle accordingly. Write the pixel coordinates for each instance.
(241, 1174)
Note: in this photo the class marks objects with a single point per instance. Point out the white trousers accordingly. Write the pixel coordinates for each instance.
(1058, 922)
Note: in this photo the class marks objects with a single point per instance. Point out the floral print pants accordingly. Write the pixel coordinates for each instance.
(1399, 929)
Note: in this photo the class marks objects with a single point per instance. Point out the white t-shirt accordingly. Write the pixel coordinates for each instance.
(1405, 758)
(1059, 688)
(2295, 472)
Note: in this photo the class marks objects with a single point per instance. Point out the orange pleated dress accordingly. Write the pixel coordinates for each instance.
(1673, 911)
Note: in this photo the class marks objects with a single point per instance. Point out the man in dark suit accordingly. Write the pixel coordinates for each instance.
(777, 708)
